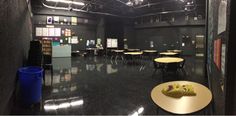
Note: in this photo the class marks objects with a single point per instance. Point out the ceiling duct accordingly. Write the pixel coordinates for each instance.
(110, 14)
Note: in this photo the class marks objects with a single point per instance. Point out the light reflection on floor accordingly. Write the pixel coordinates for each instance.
(98, 85)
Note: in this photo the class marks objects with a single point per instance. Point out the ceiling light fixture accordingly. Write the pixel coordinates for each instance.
(134, 2)
(129, 3)
(67, 2)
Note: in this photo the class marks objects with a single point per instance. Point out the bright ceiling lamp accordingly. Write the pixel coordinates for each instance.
(67, 2)
(134, 2)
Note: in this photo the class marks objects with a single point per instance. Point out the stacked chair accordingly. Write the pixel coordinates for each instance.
(35, 54)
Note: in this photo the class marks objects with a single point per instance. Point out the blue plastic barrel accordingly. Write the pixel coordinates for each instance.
(30, 84)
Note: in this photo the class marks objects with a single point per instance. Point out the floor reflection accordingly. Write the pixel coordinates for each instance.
(101, 86)
(53, 105)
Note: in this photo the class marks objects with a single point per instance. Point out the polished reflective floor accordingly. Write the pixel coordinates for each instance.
(101, 86)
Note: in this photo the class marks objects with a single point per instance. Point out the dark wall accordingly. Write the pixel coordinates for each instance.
(15, 35)
(230, 86)
(129, 34)
(168, 38)
(101, 29)
(114, 28)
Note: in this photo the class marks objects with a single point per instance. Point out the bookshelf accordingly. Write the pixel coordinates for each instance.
(46, 46)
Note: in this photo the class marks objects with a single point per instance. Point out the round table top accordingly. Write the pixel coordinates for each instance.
(134, 53)
(133, 49)
(150, 51)
(169, 60)
(185, 104)
(177, 51)
(118, 50)
(168, 53)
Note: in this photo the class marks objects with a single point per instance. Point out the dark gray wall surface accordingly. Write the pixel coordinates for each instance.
(168, 38)
(101, 30)
(114, 28)
(15, 35)
(230, 86)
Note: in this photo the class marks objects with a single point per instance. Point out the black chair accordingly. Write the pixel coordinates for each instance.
(158, 66)
(47, 65)
(35, 54)
(171, 67)
(181, 64)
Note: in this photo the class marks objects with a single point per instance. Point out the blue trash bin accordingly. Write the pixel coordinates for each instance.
(30, 84)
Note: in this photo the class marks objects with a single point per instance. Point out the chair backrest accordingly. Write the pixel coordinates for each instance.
(157, 65)
(47, 59)
(35, 54)
(181, 65)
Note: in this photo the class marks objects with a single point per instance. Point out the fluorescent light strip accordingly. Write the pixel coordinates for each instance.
(67, 2)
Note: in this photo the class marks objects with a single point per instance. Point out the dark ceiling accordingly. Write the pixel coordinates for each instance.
(119, 7)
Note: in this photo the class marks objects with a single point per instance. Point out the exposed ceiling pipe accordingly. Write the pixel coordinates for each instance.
(124, 3)
(153, 4)
(83, 11)
(109, 14)
(166, 12)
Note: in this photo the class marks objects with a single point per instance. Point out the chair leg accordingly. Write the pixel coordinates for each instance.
(51, 75)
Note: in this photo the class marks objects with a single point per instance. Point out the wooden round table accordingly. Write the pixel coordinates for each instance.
(175, 51)
(150, 51)
(133, 50)
(118, 51)
(167, 60)
(150, 54)
(185, 104)
(133, 57)
(168, 53)
(133, 53)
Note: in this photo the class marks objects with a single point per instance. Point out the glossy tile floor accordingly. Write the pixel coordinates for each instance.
(101, 86)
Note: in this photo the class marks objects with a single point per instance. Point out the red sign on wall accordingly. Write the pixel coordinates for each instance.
(217, 53)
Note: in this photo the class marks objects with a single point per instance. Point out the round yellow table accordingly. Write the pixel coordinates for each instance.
(150, 51)
(133, 53)
(176, 51)
(118, 51)
(132, 50)
(185, 104)
(167, 60)
(168, 53)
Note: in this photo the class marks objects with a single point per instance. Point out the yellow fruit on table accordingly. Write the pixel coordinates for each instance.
(177, 91)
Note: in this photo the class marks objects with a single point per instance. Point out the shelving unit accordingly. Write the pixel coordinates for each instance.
(46, 46)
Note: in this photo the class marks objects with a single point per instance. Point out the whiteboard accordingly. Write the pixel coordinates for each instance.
(112, 43)
(74, 40)
(39, 31)
(57, 31)
(45, 31)
(51, 32)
